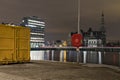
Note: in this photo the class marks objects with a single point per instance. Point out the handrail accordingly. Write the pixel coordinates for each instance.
(106, 49)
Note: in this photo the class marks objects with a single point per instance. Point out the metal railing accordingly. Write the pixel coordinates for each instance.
(108, 49)
(99, 55)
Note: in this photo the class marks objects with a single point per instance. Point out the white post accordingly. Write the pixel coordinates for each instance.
(52, 55)
(48, 54)
(61, 55)
(84, 57)
(100, 57)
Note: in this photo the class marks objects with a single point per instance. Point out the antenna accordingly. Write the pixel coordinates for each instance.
(78, 16)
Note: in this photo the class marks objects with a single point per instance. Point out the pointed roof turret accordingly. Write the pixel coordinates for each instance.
(102, 28)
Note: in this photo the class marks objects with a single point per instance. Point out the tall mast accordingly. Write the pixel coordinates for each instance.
(78, 16)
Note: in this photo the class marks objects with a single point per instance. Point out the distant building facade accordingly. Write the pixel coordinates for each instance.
(37, 27)
(93, 38)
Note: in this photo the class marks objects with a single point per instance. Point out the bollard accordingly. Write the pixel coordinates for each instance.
(65, 55)
(84, 57)
(65, 52)
(61, 55)
(52, 55)
(48, 54)
(99, 57)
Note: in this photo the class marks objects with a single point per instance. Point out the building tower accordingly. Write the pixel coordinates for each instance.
(95, 38)
(103, 30)
(37, 27)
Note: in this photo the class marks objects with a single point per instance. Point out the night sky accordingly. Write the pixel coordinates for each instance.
(61, 15)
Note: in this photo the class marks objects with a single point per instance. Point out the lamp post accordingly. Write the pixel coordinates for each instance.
(78, 29)
(78, 16)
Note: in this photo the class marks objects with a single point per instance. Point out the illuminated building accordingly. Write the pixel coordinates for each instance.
(37, 27)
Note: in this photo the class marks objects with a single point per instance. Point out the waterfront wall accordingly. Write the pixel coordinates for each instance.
(110, 58)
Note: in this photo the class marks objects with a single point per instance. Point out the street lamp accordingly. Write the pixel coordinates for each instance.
(78, 16)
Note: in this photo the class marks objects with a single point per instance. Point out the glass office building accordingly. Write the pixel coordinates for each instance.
(37, 27)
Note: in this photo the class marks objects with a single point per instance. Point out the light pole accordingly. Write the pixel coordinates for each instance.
(78, 16)
(78, 52)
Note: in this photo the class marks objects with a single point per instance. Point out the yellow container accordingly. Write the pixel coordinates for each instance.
(14, 44)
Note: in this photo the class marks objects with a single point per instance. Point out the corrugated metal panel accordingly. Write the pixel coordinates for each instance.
(14, 44)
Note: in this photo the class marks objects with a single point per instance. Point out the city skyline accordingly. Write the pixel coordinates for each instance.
(61, 15)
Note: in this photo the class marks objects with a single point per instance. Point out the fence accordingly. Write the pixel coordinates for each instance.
(99, 55)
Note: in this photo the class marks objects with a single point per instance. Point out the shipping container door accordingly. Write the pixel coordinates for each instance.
(22, 41)
(7, 44)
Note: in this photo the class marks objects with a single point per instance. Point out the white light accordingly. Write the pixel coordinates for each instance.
(42, 27)
(37, 33)
(30, 25)
(36, 21)
(36, 38)
(35, 24)
(22, 20)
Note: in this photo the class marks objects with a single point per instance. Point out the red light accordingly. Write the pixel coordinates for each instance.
(76, 40)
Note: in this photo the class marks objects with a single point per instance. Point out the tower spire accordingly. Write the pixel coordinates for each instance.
(102, 28)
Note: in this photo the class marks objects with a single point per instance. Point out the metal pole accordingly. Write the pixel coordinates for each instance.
(78, 16)
(78, 51)
(77, 56)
